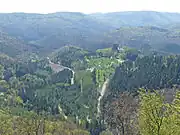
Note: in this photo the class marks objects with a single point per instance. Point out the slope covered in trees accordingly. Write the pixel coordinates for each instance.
(152, 72)
(52, 31)
(149, 113)
(34, 84)
(73, 90)
(48, 32)
(137, 18)
(12, 46)
(147, 38)
(29, 123)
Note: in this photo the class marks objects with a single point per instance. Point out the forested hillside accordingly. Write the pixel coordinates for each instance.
(65, 84)
(151, 72)
(75, 86)
(141, 94)
(137, 18)
(12, 46)
(90, 74)
(48, 32)
(52, 31)
(147, 38)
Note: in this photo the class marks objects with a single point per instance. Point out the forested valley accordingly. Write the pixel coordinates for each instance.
(80, 74)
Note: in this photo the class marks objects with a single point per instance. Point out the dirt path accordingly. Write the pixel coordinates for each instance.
(102, 92)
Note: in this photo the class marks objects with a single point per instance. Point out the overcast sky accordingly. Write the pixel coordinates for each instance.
(87, 6)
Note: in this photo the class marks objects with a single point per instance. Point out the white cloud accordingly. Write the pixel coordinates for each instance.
(87, 6)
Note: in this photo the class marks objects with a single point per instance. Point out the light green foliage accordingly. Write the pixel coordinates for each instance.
(172, 119)
(33, 124)
(85, 79)
(107, 52)
(151, 115)
(31, 84)
(18, 100)
(103, 68)
(157, 117)
(99, 77)
(5, 122)
(106, 133)
(101, 62)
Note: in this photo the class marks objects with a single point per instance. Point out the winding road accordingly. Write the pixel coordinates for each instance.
(58, 68)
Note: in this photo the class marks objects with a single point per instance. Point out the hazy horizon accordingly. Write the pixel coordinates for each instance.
(88, 6)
